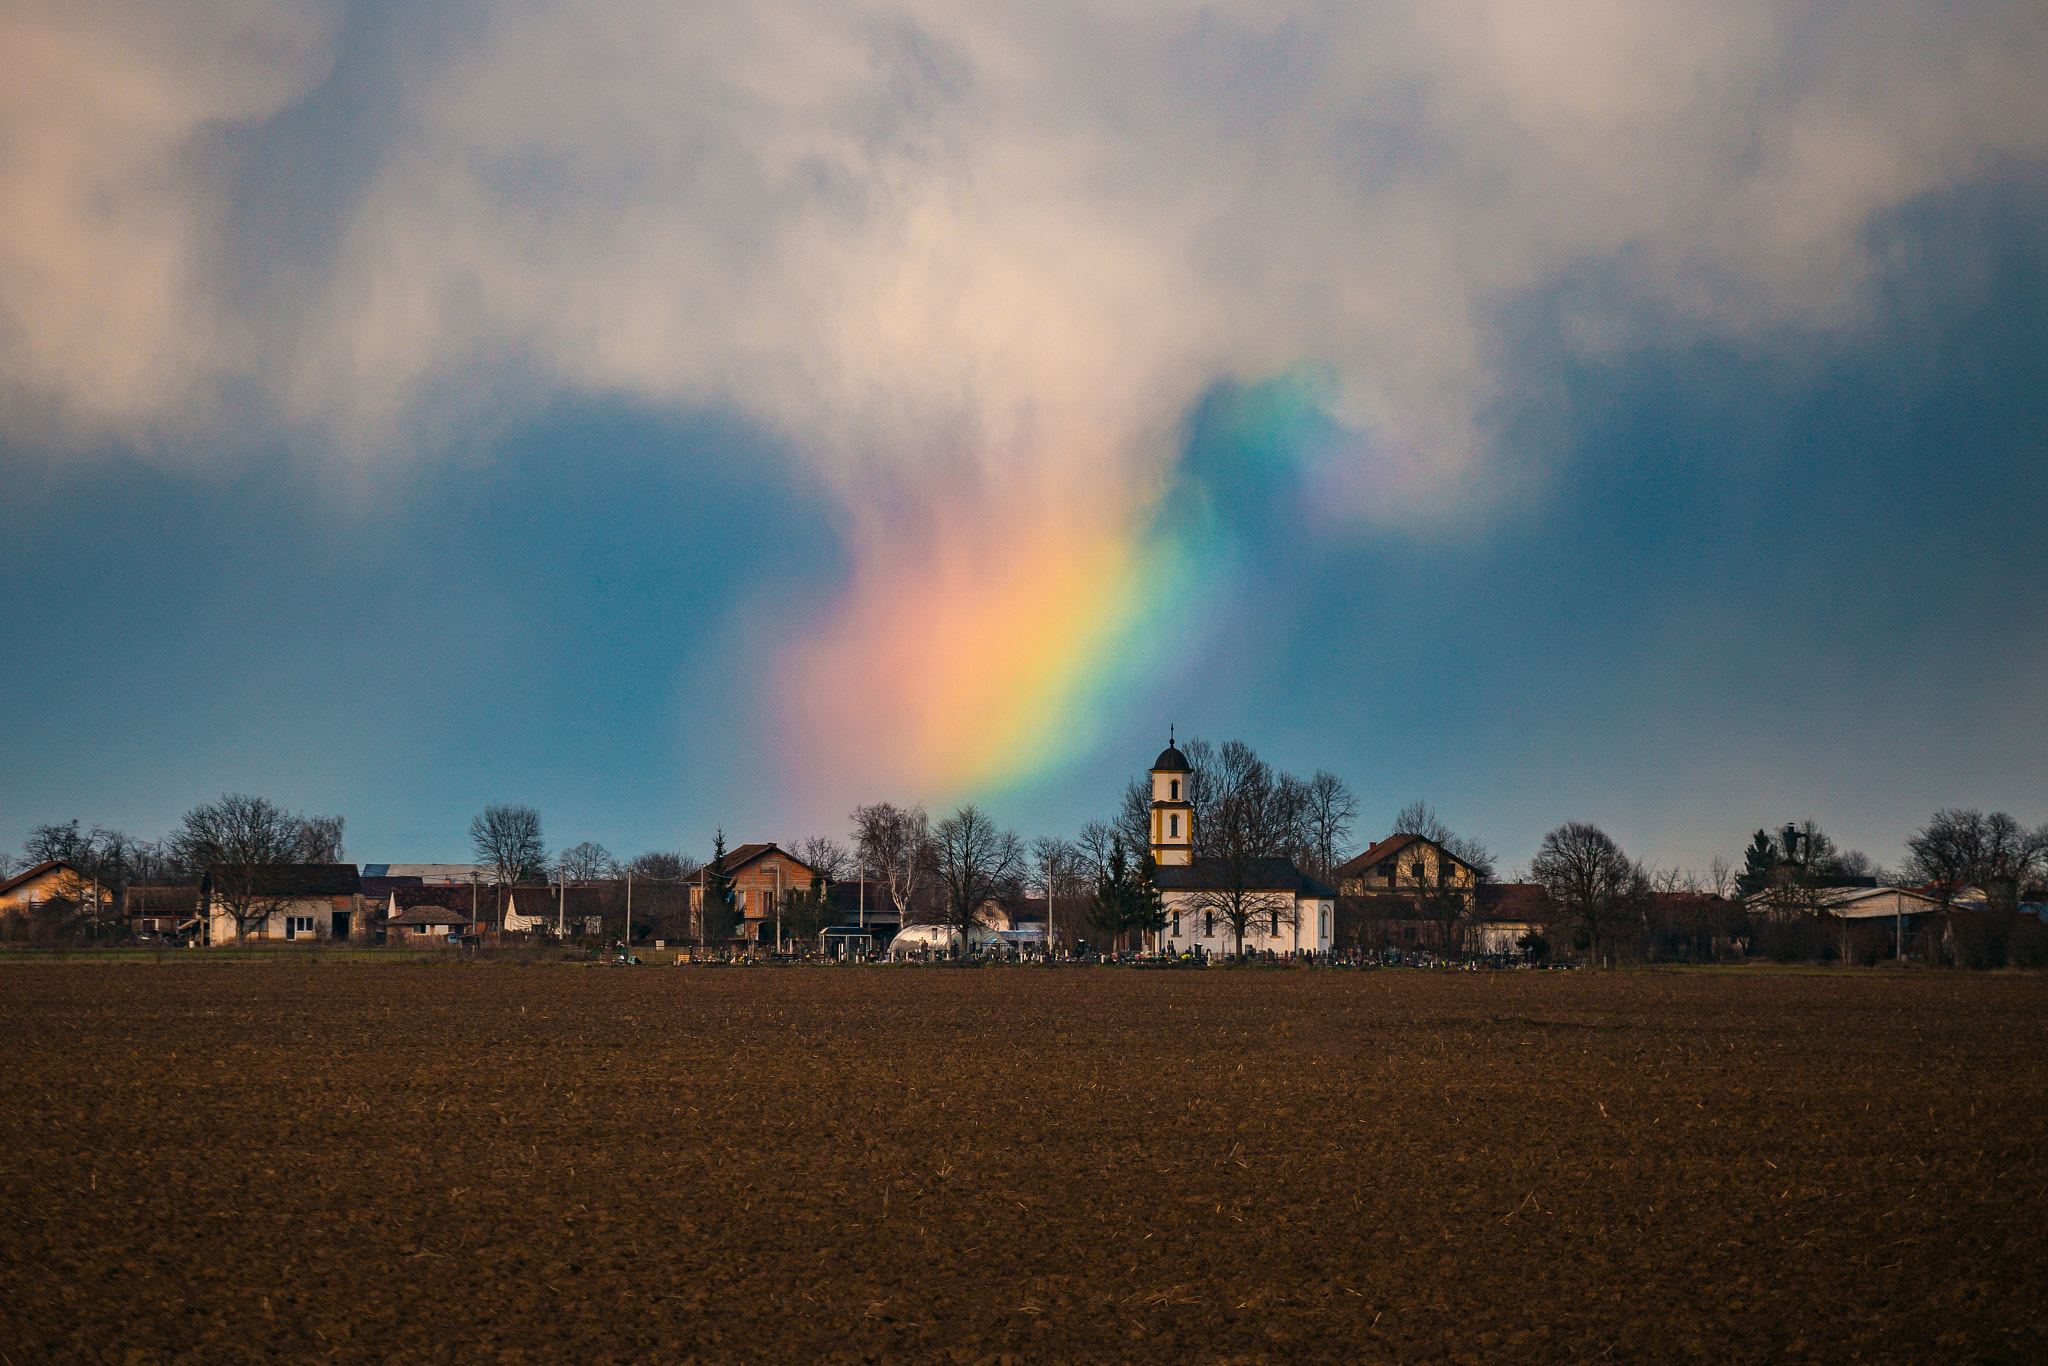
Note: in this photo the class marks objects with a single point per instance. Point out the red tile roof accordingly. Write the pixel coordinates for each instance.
(736, 859)
(1362, 865)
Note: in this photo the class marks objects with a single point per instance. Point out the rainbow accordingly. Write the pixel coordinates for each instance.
(982, 639)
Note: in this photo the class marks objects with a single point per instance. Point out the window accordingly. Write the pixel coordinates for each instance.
(1276, 921)
(1173, 826)
(1176, 924)
(1416, 870)
(1175, 786)
(1387, 871)
(1323, 924)
(1208, 924)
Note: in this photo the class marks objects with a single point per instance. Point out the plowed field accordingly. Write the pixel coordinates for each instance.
(219, 1163)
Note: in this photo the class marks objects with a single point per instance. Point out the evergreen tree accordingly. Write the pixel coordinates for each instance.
(1759, 861)
(1148, 907)
(1114, 906)
(718, 914)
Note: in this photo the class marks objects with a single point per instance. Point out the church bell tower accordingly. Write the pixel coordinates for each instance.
(1173, 814)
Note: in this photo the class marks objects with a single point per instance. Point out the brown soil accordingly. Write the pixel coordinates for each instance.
(215, 1163)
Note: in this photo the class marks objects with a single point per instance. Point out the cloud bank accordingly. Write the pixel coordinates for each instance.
(972, 263)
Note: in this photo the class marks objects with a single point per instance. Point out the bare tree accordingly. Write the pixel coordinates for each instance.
(1958, 848)
(665, 866)
(976, 861)
(663, 893)
(587, 862)
(1200, 788)
(1248, 826)
(1445, 910)
(1330, 810)
(1133, 824)
(507, 840)
(1294, 837)
(53, 842)
(825, 856)
(1065, 870)
(320, 839)
(2013, 858)
(895, 843)
(1094, 843)
(246, 845)
(1598, 887)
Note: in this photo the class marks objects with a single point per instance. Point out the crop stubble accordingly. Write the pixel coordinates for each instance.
(231, 1162)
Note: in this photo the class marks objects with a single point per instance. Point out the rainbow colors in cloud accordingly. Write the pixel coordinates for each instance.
(982, 639)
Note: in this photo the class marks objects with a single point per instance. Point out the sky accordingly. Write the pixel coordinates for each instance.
(694, 417)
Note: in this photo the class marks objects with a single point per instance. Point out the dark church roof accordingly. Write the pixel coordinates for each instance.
(1171, 760)
(1260, 875)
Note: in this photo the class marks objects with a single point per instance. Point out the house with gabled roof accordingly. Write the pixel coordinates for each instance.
(294, 901)
(53, 894)
(1408, 892)
(427, 924)
(762, 874)
(1404, 864)
(50, 880)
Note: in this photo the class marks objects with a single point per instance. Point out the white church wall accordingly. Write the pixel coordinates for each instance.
(1306, 925)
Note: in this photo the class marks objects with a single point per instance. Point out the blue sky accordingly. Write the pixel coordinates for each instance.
(1683, 568)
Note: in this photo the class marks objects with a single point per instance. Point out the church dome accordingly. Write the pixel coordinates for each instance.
(1170, 760)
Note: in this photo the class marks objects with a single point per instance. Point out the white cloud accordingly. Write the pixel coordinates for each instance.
(1018, 239)
(110, 328)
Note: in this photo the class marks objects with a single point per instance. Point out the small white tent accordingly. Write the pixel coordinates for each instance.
(913, 940)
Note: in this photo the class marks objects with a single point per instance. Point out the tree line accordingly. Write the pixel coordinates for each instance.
(1100, 884)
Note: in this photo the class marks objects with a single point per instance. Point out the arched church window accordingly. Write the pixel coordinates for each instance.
(1175, 784)
(1173, 826)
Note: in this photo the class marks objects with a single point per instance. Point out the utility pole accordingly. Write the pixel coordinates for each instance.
(629, 909)
(1048, 901)
(562, 901)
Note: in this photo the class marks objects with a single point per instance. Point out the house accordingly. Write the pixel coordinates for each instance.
(1291, 912)
(762, 874)
(427, 924)
(863, 903)
(162, 912)
(288, 901)
(51, 880)
(1507, 913)
(1408, 892)
(54, 898)
(1406, 866)
(1865, 902)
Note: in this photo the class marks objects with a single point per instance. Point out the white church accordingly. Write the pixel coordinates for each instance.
(1294, 912)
